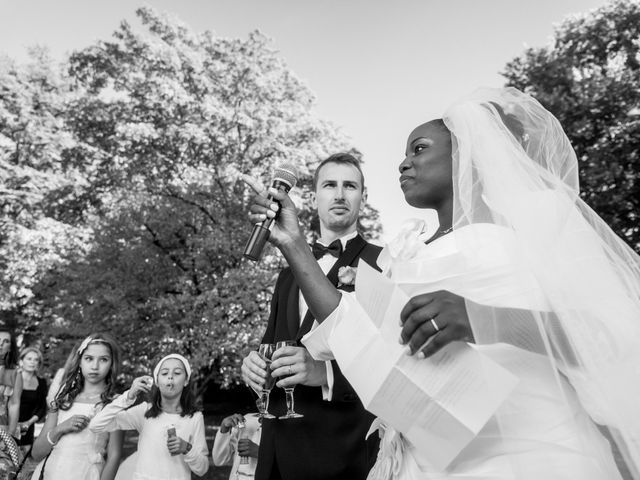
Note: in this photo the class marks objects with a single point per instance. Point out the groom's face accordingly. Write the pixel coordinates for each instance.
(338, 196)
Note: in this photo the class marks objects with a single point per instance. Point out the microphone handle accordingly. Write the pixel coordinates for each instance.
(261, 231)
(257, 240)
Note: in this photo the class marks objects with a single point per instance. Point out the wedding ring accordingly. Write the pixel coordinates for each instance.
(435, 325)
(290, 372)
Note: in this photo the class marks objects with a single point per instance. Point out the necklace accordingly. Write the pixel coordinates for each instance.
(90, 397)
(439, 233)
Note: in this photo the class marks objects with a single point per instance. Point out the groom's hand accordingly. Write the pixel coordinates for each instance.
(300, 367)
(254, 371)
(449, 314)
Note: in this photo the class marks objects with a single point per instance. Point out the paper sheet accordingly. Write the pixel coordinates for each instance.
(439, 403)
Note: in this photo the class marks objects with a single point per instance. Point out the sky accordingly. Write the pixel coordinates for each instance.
(378, 68)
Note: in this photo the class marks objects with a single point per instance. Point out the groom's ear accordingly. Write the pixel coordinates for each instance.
(363, 202)
(313, 200)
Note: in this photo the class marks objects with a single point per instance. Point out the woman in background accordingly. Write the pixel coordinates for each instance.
(10, 382)
(33, 401)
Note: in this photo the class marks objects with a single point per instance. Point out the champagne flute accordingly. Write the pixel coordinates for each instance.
(288, 390)
(242, 434)
(266, 352)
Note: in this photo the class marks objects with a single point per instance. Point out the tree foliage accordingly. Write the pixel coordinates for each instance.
(589, 78)
(154, 129)
(34, 181)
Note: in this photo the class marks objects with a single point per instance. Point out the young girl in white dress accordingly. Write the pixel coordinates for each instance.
(172, 441)
(66, 447)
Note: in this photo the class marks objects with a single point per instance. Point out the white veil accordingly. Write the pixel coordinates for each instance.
(515, 167)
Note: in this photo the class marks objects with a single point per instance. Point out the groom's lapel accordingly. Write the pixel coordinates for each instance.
(351, 252)
(293, 308)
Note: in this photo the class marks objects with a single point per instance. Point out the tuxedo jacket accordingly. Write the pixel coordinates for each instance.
(329, 442)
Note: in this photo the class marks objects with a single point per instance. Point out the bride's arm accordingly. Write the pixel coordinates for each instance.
(321, 296)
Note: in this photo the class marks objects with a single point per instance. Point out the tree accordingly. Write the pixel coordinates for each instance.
(34, 181)
(589, 78)
(163, 123)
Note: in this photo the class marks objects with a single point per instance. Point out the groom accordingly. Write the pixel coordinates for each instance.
(329, 442)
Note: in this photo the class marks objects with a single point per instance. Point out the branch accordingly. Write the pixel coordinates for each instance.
(156, 241)
(170, 193)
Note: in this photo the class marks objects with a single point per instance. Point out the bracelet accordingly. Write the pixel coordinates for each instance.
(51, 442)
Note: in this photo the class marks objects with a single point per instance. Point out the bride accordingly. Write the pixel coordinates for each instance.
(530, 272)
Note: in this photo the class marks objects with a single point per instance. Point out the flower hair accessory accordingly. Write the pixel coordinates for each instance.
(347, 276)
(83, 346)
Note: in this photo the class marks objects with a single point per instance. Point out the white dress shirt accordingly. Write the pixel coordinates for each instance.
(326, 263)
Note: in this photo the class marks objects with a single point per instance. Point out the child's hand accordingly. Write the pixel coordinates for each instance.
(246, 448)
(140, 385)
(74, 424)
(177, 445)
(231, 421)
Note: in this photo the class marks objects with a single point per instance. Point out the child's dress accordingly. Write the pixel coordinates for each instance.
(154, 460)
(225, 448)
(76, 456)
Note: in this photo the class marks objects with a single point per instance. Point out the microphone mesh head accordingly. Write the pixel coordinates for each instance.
(286, 173)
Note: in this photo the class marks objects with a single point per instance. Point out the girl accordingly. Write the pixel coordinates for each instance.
(10, 383)
(172, 442)
(237, 443)
(33, 401)
(69, 449)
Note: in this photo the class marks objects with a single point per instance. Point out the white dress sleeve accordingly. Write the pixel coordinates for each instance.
(118, 416)
(224, 448)
(317, 340)
(196, 458)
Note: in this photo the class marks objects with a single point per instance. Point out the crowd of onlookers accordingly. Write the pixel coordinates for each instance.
(82, 419)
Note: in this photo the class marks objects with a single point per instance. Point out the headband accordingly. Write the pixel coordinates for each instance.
(83, 346)
(177, 356)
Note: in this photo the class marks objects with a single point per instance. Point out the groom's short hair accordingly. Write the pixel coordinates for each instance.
(343, 158)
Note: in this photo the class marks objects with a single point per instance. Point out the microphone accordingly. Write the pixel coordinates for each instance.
(284, 179)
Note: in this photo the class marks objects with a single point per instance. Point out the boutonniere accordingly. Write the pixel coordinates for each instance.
(347, 276)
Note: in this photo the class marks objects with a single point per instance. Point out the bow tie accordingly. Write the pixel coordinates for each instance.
(320, 250)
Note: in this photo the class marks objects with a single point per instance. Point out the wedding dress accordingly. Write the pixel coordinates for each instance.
(552, 295)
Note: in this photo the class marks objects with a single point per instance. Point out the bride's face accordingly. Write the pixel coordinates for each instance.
(425, 173)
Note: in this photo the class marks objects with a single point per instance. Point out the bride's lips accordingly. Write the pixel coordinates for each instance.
(404, 179)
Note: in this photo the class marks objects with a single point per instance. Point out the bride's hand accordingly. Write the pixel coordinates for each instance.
(286, 227)
(432, 320)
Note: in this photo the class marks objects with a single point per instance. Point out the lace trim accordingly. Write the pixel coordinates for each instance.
(391, 452)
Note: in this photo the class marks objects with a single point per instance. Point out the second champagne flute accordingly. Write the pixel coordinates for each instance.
(288, 390)
(266, 351)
